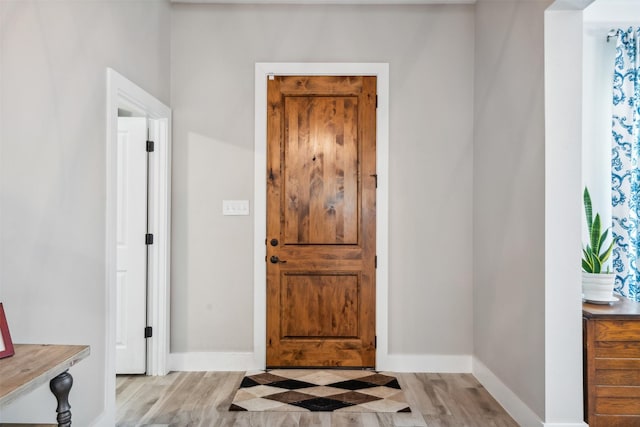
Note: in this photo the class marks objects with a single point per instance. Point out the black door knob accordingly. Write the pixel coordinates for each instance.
(274, 260)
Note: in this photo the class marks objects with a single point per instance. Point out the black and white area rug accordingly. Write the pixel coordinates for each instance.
(319, 390)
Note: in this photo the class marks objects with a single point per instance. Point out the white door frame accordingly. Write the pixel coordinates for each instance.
(262, 72)
(123, 93)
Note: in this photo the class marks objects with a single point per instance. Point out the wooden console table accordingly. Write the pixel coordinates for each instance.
(611, 336)
(32, 365)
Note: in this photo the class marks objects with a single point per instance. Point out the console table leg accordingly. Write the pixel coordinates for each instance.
(60, 387)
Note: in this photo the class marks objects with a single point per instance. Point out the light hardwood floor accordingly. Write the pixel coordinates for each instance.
(184, 399)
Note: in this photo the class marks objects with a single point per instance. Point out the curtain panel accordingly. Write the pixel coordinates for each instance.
(625, 164)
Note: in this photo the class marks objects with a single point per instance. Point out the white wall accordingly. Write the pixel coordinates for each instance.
(52, 172)
(430, 52)
(563, 201)
(508, 196)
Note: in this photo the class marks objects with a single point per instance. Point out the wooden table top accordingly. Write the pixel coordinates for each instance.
(621, 310)
(35, 364)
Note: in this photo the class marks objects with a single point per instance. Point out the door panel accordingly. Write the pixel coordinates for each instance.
(321, 174)
(131, 291)
(321, 221)
(320, 305)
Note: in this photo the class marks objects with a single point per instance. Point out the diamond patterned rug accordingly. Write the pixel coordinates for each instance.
(319, 390)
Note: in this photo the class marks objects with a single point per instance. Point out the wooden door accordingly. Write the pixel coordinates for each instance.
(321, 215)
(131, 226)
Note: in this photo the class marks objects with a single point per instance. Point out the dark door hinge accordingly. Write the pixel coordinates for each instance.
(376, 101)
(148, 332)
(375, 342)
(376, 261)
(150, 146)
(148, 239)
(375, 176)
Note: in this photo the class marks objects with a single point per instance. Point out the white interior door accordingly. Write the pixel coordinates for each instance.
(131, 246)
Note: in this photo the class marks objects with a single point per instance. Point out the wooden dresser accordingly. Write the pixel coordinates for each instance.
(611, 336)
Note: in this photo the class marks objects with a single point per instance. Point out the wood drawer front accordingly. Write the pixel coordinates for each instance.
(611, 391)
(614, 421)
(607, 349)
(619, 377)
(618, 363)
(617, 330)
(618, 406)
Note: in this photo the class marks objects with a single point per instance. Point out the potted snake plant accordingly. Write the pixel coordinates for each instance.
(597, 278)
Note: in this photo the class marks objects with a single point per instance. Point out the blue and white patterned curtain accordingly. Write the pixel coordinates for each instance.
(625, 164)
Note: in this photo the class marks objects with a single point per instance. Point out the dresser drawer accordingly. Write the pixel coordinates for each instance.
(621, 349)
(617, 372)
(610, 391)
(617, 377)
(614, 421)
(617, 406)
(617, 330)
(627, 364)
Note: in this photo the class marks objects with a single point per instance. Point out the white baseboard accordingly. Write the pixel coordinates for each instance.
(520, 412)
(213, 361)
(565, 424)
(101, 420)
(424, 363)
(246, 361)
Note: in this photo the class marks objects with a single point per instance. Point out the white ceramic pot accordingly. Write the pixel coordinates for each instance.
(597, 286)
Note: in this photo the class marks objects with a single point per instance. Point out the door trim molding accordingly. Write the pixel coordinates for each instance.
(262, 71)
(123, 92)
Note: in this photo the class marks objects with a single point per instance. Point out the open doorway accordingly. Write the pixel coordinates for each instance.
(126, 98)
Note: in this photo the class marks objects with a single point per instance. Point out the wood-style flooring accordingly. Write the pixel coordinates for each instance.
(184, 399)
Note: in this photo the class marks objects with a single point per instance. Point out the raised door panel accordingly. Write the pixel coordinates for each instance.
(320, 306)
(321, 170)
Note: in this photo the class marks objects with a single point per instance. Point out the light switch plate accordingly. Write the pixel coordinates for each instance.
(235, 207)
